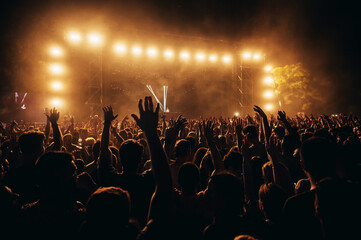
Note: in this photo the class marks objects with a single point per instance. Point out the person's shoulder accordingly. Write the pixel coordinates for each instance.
(297, 201)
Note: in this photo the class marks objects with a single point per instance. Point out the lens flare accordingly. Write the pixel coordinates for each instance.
(200, 57)
(213, 58)
(74, 37)
(168, 54)
(226, 59)
(256, 56)
(57, 86)
(268, 80)
(268, 107)
(95, 39)
(246, 55)
(268, 68)
(136, 50)
(268, 94)
(120, 48)
(56, 102)
(56, 69)
(152, 52)
(184, 55)
(56, 51)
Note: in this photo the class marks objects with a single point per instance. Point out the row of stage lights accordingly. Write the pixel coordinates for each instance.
(97, 40)
(120, 48)
(270, 93)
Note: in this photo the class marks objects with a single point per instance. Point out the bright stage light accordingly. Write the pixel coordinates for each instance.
(152, 52)
(136, 50)
(268, 80)
(256, 56)
(184, 55)
(268, 94)
(168, 54)
(120, 48)
(56, 69)
(200, 57)
(57, 86)
(236, 114)
(213, 58)
(95, 39)
(74, 37)
(56, 51)
(246, 55)
(268, 107)
(226, 59)
(56, 102)
(268, 68)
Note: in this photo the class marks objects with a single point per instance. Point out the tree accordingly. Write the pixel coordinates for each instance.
(299, 90)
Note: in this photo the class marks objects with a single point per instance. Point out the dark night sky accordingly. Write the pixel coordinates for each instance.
(324, 35)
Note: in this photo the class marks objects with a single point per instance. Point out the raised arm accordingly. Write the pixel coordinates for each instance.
(47, 126)
(265, 124)
(282, 117)
(148, 122)
(216, 156)
(106, 169)
(171, 134)
(53, 118)
(281, 176)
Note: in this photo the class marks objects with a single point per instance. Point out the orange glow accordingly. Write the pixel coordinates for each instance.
(236, 114)
(268, 80)
(74, 37)
(200, 57)
(120, 48)
(268, 107)
(136, 50)
(95, 39)
(56, 102)
(57, 86)
(168, 54)
(213, 58)
(268, 68)
(268, 94)
(56, 51)
(246, 55)
(226, 59)
(152, 52)
(256, 56)
(56, 69)
(184, 55)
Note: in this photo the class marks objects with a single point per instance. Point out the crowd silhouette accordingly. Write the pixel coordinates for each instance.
(149, 177)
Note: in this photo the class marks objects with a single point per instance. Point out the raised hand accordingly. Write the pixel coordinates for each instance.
(53, 115)
(108, 115)
(208, 131)
(281, 115)
(148, 117)
(239, 127)
(259, 110)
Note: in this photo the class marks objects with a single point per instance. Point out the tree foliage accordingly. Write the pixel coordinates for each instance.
(298, 89)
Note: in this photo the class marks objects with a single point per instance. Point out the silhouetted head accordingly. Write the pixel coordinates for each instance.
(108, 207)
(271, 200)
(32, 143)
(188, 177)
(56, 173)
(226, 194)
(130, 153)
(280, 132)
(183, 149)
(197, 158)
(318, 158)
(96, 149)
(233, 162)
(251, 133)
